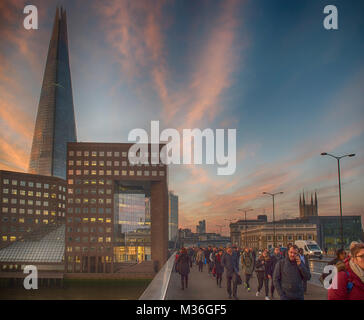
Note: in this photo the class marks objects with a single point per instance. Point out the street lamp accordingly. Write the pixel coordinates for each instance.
(274, 221)
(341, 209)
(245, 211)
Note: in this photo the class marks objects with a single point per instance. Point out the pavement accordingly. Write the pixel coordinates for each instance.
(202, 286)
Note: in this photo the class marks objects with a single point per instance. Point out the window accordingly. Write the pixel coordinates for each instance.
(79, 153)
(86, 153)
(14, 192)
(71, 153)
(46, 186)
(5, 181)
(93, 153)
(101, 153)
(14, 182)
(116, 154)
(109, 154)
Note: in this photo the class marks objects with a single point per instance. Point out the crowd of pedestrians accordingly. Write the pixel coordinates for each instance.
(287, 273)
(284, 272)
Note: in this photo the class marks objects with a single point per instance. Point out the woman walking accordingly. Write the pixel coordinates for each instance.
(219, 268)
(184, 267)
(350, 276)
(262, 270)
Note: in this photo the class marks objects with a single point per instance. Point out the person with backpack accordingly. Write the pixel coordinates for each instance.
(289, 274)
(262, 269)
(340, 257)
(349, 280)
(247, 264)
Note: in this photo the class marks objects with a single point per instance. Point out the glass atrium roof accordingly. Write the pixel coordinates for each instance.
(49, 249)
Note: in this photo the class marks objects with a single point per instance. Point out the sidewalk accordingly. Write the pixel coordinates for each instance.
(202, 286)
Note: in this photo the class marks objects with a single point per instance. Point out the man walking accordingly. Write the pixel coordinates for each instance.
(231, 272)
(247, 264)
(272, 263)
(289, 275)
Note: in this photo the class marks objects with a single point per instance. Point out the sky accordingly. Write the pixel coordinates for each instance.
(268, 69)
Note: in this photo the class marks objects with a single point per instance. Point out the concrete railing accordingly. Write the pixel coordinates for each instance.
(157, 289)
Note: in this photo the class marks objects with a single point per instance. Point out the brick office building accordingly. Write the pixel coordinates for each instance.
(117, 213)
(29, 203)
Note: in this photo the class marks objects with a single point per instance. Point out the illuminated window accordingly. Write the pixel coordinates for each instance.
(13, 210)
(108, 220)
(5, 181)
(86, 153)
(123, 172)
(109, 154)
(70, 172)
(101, 153)
(71, 153)
(108, 172)
(14, 182)
(101, 163)
(79, 153)
(131, 173)
(94, 154)
(116, 172)
(101, 239)
(146, 173)
(12, 238)
(86, 172)
(86, 163)
(101, 172)
(14, 192)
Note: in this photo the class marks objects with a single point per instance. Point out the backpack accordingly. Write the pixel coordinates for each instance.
(349, 284)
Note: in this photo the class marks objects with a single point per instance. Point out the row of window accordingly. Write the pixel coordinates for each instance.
(290, 237)
(92, 201)
(86, 229)
(87, 220)
(116, 154)
(139, 173)
(28, 221)
(29, 211)
(72, 153)
(32, 184)
(95, 191)
(30, 193)
(29, 202)
(87, 210)
(89, 239)
(108, 163)
(8, 238)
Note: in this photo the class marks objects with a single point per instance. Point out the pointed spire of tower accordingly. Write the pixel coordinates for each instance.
(55, 123)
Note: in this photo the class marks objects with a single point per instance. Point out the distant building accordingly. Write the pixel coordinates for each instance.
(262, 236)
(237, 228)
(189, 239)
(201, 227)
(308, 209)
(172, 216)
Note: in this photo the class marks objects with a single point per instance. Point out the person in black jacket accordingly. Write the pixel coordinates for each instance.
(289, 274)
(271, 265)
(304, 259)
(184, 267)
(229, 264)
(262, 269)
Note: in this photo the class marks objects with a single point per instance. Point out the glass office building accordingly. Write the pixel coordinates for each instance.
(55, 123)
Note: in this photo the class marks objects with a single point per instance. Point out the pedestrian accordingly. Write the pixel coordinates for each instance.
(253, 255)
(212, 260)
(184, 267)
(349, 279)
(247, 265)
(175, 261)
(207, 259)
(236, 255)
(190, 255)
(304, 260)
(231, 273)
(289, 274)
(340, 257)
(276, 256)
(200, 257)
(262, 269)
(219, 268)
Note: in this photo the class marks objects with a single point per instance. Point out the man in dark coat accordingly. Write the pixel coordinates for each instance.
(289, 274)
(219, 268)
(236, 255)
(229, 264)
(276, 256)
(184, 267)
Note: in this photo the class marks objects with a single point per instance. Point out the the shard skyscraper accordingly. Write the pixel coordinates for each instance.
(55, 124)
